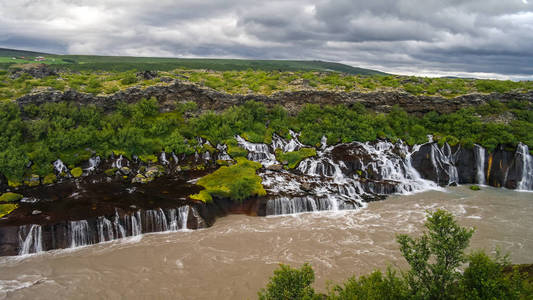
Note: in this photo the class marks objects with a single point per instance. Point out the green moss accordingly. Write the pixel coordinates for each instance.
(293, 158)
(475, 187)
(10, 197)
(49, 179)
(111, 172)
(221, 162)
(76, 172)
(32, 180)
(236, 151)
(208, 148)
(13, 183)
(6, 209)
(236, 182)
(149, 158)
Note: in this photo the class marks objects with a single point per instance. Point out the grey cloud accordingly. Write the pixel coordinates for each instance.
(431, 37)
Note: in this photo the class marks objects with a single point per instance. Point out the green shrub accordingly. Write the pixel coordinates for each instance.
(76, 172)
(236, 182)
(49, 179)
(10, 197)
(289, 283)
(293, 158)
(374, 286)
(6, 209)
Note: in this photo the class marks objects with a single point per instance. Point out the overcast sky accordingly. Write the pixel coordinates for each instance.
(482, 38)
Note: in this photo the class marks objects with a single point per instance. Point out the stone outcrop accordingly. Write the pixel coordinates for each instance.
(176, 92)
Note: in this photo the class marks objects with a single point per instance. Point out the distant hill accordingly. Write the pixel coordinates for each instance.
(124, 63)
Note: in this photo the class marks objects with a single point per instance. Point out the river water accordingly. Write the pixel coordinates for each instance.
(234, 258)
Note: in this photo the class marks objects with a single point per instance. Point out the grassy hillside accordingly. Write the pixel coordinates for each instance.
(124, 63)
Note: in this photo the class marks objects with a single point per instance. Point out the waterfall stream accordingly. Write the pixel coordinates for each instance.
(86, 232)
(480, 164)
(526, 182)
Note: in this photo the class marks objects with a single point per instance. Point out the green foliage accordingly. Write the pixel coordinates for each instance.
(475, 187)
(293, 158)
(236, 182)
(435, 256)
(6, 209)
(49, 179)
(484, 278)
(76, 172)
(290, 283)
(10, 197)
(377, 285)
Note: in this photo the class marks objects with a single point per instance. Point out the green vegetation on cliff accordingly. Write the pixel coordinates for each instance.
(237, 182)
(42, 134)
(434, 260)
(10, 197)
(293, 158)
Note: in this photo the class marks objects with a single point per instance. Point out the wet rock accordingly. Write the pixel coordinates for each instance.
(125, 171)
(140, 178)
(166, 79)
(33, 180)
(36, 212)
(154, 171)
(275, 167)
(306, 186)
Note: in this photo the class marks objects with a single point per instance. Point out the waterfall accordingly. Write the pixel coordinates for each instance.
(526, 182)
(443, 158)
(480, 164)
(155, 221)
(135, 223)
(119, 229)
(79, 233)
(183, 216)
(163, 158)
(93, 163)
(176, 160)
(257, 152)
(32, 243)
(223, 154)
(105, 230)
(292, 145)
(118, 163)
(206, 156)
(60, 167)
(323, 142)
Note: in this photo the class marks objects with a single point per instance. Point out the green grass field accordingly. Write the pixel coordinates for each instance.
(125, 63)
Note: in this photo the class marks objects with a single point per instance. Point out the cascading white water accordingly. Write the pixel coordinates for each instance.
(163, 158)
(257, 152)
(135, 222)
(443, 158)
(105, 230)
(206, 156)
(119, 229)
(79, 233)
(155, 220)
(183, 216)
(223, 154)
(286, 146)
(60, 167)
(32, 242)
(526, 182)
(176, 160)
(480, 164)
(118, 163)
(93, 163)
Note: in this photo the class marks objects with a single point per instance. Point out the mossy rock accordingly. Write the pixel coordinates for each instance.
(236, 151)
(76, 172)
(475, 187)
(13, 183)
(293, 158)
(150, 158)
(221, 162)
(6, 209)
(236, 182)
(32, 181)
(10, 197)
(49, 179)
(110, 172)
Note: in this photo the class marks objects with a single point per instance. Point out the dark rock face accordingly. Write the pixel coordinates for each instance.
(147, 74)
(36, 71)
(208, 99)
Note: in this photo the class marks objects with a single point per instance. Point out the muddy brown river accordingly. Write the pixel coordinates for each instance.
(234, 258)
